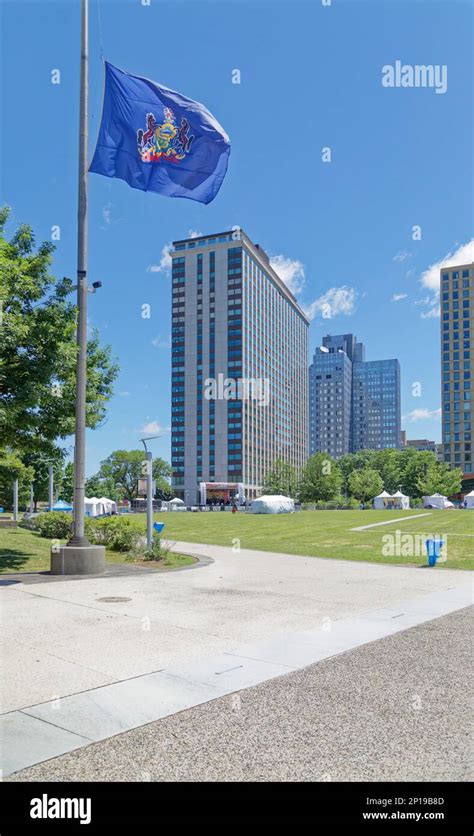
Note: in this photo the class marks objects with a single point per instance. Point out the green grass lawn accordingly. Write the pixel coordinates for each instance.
(25, 551)
(327, 533)
(310, 533)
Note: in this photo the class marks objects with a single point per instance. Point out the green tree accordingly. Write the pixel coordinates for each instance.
(38, 350)
(388, 464)
(365, 484)
(415, 466)
(439, 478)
(354, 461)
(125, 468)
(67, 487)
(282, 479)
(11, 468)
(40, 466)
(98, 486)
(321, 479)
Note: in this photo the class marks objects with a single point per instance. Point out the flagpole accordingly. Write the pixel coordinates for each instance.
(79, 557)
(79, 538)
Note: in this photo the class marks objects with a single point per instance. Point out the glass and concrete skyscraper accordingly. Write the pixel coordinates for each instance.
(330, 387)
(376, 418)
(239, 368)
(354, 403)
(457, 364)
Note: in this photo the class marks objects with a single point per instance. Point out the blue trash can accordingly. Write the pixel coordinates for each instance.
(158, 526)
(434, 547)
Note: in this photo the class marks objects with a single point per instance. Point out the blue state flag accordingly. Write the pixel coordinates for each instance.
(158, 140)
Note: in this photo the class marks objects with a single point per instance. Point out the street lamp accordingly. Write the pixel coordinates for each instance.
(149, 491)
(79, 557)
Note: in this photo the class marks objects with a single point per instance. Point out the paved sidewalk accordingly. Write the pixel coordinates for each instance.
(394, 709)
(62, 638)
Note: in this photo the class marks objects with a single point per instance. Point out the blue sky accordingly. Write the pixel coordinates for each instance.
(341, 231)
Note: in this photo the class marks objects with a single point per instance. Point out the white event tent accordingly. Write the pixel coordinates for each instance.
(395, 501)
(176, 504)
(437, 500)
(95, 507)
(469, 500)
(272, 505)
(110, 507)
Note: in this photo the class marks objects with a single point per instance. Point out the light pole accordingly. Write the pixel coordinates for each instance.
(78, 538)
(78, 557)
(149, 491)
(15, 500)
(50, 487)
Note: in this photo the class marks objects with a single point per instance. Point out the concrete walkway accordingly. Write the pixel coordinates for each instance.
(60, 638)
(183, 638)
(397, 709)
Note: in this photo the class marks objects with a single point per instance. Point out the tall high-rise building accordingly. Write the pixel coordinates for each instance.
(457, 364)
(239, 368)
(330, 395)
(354, 403)
(376, 410)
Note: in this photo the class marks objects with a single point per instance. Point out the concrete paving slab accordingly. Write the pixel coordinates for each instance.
(227, 672)
(103, 712)
(26, 740)
(135, 646)
(293, 651)
(35, 675)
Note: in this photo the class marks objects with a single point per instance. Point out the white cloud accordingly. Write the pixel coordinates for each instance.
(193, 234)
(291, 271)
(124, 394)
(397, 297)
(464, 254)
(402, 255)
(159, 342)
(165, 262)
(336, 301)
(422, 415)
(432, 305)
(432, 313)
(429, 279)
(153, 427)
(107, 213)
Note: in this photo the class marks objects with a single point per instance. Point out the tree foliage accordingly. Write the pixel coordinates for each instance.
(364, 484)
(282, 479)
(417, 471)
(321, 479)
(38, 350)
(11, 468)
(125, 468)
(439, 479)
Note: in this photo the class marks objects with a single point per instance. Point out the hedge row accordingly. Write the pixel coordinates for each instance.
(117, 533)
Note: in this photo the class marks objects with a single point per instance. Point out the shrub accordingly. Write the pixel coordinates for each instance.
(56, 525)
(353, 503)
(116, 533)
(27, 522)
(157, 551)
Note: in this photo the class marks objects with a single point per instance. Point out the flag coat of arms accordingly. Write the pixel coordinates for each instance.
(158, 140)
